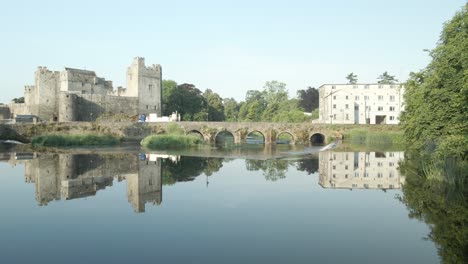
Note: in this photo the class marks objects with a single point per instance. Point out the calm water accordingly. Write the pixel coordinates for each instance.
(328, 207)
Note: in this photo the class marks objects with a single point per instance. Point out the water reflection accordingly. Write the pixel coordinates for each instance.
(360, 170)
(71, 176)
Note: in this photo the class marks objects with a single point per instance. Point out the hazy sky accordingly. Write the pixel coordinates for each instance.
(227, 46)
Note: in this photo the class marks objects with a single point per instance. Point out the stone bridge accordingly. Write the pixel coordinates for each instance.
(300, 133)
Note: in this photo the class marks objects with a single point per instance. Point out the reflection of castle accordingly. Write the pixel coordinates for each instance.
(360, 170)
(71, 176)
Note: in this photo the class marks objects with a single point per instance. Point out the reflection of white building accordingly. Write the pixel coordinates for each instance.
(360, 170)
(360, 103)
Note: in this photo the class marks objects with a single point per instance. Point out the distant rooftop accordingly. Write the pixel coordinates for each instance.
(79, 71)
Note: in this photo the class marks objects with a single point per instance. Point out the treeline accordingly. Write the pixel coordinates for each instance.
(271, 104)
(436, 98)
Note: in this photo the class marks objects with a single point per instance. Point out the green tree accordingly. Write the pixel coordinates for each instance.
(19, 100)
(386, 78)
(231, 109)
(188, 101)
(215, 107)
(435, 116)
(168, 87)
(352, 78)
(308, 99)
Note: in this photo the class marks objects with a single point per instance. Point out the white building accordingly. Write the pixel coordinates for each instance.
(360, 103)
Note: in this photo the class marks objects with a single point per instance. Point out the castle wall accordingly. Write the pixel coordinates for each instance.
(88, 107)
(19, 109)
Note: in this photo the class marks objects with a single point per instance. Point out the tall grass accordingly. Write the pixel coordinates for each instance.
(374, 138)
(56, 140)
(171, 141)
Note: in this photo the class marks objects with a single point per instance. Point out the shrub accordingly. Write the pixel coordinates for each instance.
(56, 140)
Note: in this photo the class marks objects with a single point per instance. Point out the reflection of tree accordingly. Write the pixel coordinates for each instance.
(436, 194)
(273, 170)
(188, 168)
(310, 165)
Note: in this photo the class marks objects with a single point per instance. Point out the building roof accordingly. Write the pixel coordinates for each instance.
(79, 71)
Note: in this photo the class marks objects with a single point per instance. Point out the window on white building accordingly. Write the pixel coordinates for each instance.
(380, 86)
(355, 86)
(356, 174)
(333, 86)
(366, 97)
(346, 97)
(334, 106)
(392, 118)
(392, 108)
(392, 98)
(346, 106)
(334, 117)
(380, 97)
(334, 97)
(347, 117)
(380, 108)
(356, 97)
(366, 86)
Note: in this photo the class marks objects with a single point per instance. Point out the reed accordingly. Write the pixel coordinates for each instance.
(57, 140)
(170, 141)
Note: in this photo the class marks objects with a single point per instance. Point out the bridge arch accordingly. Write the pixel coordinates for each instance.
(196, 133)
(255, 137)
(317, 139)
(282, 137)
(224, 137)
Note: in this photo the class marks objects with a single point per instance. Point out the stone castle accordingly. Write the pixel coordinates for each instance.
(80, 95)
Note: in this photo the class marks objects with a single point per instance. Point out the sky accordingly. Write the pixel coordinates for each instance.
(227, 46)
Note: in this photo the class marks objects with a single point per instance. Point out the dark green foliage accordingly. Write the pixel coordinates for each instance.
(386, 78)
(19, 100)
(352, 78)
(436, 98)
(308, 99)
(56, 140)
(184, 98)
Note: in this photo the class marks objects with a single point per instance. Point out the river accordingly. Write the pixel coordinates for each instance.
(254, 205)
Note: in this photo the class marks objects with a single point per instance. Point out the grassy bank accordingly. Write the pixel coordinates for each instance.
(370, 138)
(57, 140)
(170, 141)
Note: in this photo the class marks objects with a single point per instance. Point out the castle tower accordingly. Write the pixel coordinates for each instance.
(146, 84)
(47, 86)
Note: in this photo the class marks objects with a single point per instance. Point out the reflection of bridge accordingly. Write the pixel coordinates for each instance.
(299, 132)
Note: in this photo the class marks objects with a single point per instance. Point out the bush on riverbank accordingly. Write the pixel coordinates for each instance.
(56, 140)
(170, 141)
